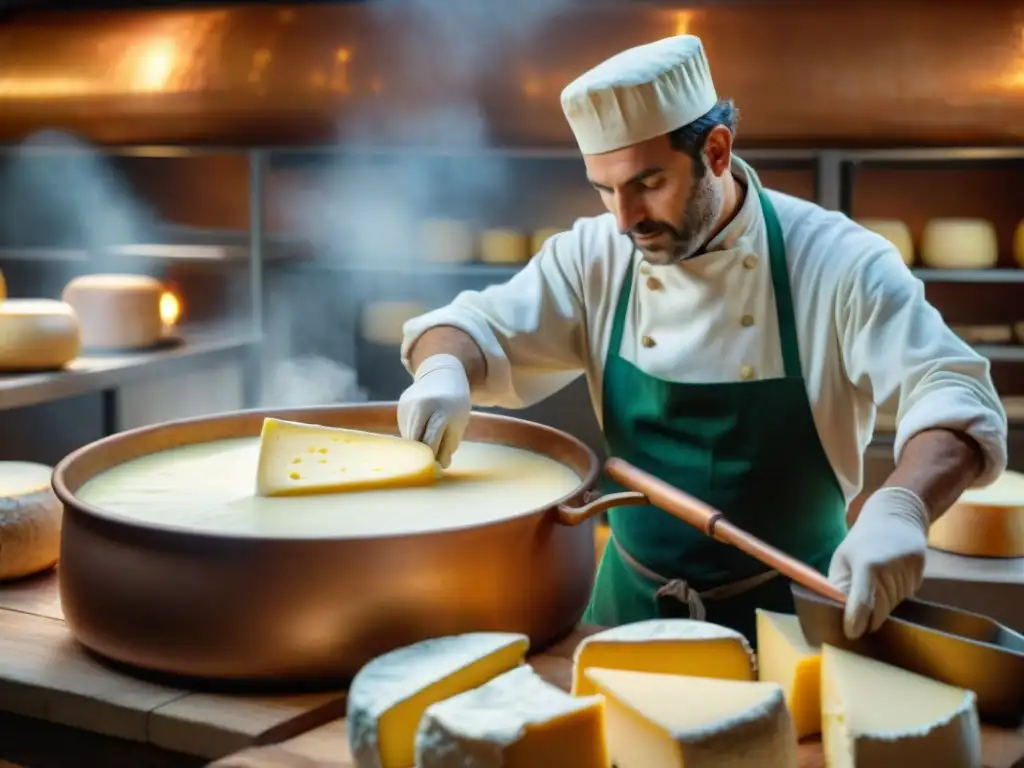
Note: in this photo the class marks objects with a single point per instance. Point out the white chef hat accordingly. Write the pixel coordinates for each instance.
(640, 93)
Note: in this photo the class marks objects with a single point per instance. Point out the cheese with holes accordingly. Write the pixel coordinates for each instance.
(896, 232)
(984, 522)
(504, 246)
(37, 335)
(300, 459)
(785, 657)
(677, 721)
(959, 244)
(516, 720)
(30, 519)
(117, 311)
(874, 715)
(672, 646)
(382, 321)
(447, 240)
(387, 698)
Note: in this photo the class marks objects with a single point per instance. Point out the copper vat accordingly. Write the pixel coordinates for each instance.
(207, 605)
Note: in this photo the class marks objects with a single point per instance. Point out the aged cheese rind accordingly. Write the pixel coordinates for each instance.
(785, 657)
(679, 721)
(117, 311)
(37, 335)
(877, 716)
(388, 696)
(30, 519)
(300, 459)
(673, 646)
(517, 720)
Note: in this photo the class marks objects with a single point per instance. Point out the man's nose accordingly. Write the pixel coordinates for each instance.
(628, 212)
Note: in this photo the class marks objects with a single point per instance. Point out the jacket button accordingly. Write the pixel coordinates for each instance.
(747, 320)
(647, 341)
(654, 283)
(746, 372)
(749, 261)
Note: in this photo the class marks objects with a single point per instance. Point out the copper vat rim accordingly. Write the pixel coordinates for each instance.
(510, 424)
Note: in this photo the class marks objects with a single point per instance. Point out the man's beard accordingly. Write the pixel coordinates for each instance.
(703, 207)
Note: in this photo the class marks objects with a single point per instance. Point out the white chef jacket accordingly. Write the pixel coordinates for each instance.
(864, 327)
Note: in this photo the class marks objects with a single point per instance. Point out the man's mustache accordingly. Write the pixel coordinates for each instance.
(648, 228)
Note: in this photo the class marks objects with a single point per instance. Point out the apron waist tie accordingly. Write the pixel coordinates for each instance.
(678, 589)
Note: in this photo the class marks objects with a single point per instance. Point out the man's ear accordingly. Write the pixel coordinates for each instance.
(718, 150)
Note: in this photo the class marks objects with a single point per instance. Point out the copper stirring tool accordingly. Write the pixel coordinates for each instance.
(954, 646)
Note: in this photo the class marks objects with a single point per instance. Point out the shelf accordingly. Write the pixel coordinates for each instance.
(931, 154)
(969, 275)
(1001, 354)
(470, 269)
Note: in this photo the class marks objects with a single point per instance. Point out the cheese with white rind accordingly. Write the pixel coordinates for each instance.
(785, 657)
(388, 696)
(671, 646)
(678, 721)
(959, 244)
(30, 519)
(37, 335)
(447, 240)
(300, 459)
(117, 311)
(517, 720)
(382, 322)
(878, 716)
(504, 246)
(984, 522)
(896, 232)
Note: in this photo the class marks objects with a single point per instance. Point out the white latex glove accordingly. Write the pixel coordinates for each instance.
(435, 408)
(881, 560)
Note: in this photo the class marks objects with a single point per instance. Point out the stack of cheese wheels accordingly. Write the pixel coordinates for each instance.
(1018, 244)
(30, 518)
(959, 244)
(896, 232)
(117, 311)
(382, 321)
(668, 693)
(984, 522)
(541, 236)
(504, 246)
(37, 335)
(447, 240)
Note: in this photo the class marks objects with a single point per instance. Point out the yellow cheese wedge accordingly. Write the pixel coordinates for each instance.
(676, 721)
(672, 646)
(389, 695)
(297, 459)
(878, 716)
(30, 519)
(515, 721)
(984, 522)
(785, 657)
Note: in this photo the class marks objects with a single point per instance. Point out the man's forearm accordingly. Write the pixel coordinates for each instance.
(447, 340)
(938, 465)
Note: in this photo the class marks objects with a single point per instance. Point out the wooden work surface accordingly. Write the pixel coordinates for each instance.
(45, 675)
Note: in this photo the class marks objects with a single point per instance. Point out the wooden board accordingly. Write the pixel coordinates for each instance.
(46, 675)
(327, 746)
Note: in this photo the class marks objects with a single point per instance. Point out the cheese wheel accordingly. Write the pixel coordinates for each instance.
(1018, 243)
(959, 244)
(447, 240)
(504, 246)
(896, 232)
(984, 522)
(3, 286)
(117, 311)
(30, 518)
(541, 236)
(37, 335)
(382, 321)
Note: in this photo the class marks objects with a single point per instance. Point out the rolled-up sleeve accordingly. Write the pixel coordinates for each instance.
(531, 329)
(896, 343)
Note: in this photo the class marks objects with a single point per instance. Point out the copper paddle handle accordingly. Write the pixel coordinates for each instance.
(714, 524)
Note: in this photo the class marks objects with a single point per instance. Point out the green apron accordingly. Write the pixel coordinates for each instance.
(749, 449)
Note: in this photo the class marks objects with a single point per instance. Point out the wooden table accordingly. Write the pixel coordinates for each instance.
(65, 708)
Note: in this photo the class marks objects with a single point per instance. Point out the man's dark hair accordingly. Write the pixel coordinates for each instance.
(691, 137)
